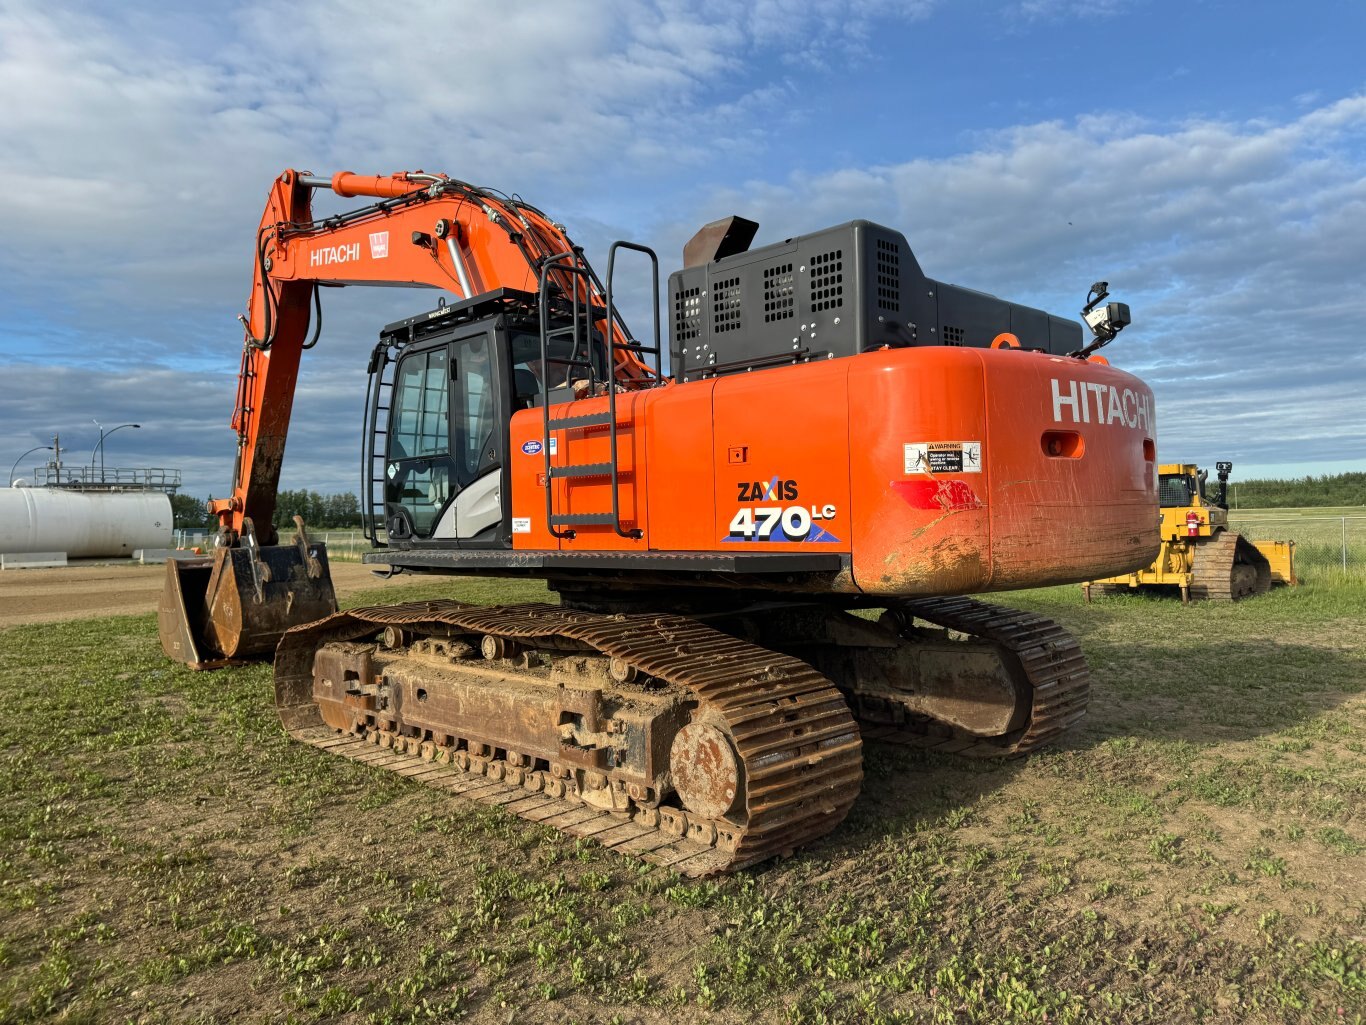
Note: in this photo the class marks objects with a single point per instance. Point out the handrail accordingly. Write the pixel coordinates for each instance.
(635, 533)
(543, 316)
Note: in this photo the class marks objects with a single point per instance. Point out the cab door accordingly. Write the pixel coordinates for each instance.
(443, 472)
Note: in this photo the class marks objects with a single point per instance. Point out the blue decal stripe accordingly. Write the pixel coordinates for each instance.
(817, 536)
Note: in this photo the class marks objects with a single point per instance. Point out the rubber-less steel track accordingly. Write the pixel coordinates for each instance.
(1052, 673)
(799, 747)
(1228, 567)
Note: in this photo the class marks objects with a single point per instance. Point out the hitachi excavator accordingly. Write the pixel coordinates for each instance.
(761, 557)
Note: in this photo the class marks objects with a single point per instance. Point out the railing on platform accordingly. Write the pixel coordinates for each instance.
(88, 478)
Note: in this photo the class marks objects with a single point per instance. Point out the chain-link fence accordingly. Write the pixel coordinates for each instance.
(346, 545)
(343, 545)
(1325, 544)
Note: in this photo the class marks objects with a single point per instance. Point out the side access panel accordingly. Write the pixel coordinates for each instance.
(781, 451)
(680, 438)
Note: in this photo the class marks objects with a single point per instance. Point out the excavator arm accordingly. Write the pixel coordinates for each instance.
(420, 229)
(423, 230)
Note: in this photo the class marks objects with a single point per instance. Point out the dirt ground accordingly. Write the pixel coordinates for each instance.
(114, 589)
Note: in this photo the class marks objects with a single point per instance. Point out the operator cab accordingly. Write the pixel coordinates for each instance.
(443, 387)
(1183, 484)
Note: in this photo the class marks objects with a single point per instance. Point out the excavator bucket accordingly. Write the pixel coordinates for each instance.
(237, 605)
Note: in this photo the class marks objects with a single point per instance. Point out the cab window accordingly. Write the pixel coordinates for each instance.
(528, 371)
(1173, 490)
(418, 475)
(476, 409)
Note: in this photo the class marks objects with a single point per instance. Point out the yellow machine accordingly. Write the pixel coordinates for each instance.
(1200, 555)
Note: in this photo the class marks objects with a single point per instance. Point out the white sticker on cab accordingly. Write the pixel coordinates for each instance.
(521, 524)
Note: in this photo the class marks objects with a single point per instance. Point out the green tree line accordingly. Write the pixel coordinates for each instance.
(328, 512)
(1330, 489)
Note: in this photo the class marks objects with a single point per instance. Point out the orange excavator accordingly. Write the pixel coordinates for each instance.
(761, 558)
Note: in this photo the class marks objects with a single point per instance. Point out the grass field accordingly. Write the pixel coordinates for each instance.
(1194, 852)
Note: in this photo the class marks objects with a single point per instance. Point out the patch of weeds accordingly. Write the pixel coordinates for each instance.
(1166, 847)
(1338, 840)
(1342, 964)
(595, 882)
(1263, 862)
(693, 895)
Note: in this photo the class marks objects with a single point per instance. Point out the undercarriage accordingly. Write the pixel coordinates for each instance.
(708, 741)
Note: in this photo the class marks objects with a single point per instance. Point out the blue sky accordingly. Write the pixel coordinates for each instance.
(1207, 158)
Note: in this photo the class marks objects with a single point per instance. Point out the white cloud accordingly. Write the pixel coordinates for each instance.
(139, 145)
(1050, 10)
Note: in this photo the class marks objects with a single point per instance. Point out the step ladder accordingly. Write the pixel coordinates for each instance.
(583, 285)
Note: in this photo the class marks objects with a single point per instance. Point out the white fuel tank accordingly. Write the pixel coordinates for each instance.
(84, 524)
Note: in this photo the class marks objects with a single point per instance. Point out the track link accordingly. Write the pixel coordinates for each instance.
(1053, 673)
(799, 747)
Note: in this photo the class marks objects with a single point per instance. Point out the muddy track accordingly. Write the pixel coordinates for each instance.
(799, 748)
(1052, 672)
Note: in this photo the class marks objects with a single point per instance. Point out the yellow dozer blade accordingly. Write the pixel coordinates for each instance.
(1281, 557)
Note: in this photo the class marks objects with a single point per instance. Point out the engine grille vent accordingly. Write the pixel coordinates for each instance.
(725, 305)
(888, 275)
(827, 280)
(688, 313)
(779, 300)
(953, 335)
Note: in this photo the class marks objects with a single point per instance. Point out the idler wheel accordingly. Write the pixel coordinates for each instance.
(492, 646)
(705, 770)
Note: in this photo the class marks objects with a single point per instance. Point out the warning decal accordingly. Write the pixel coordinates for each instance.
(944, 457)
